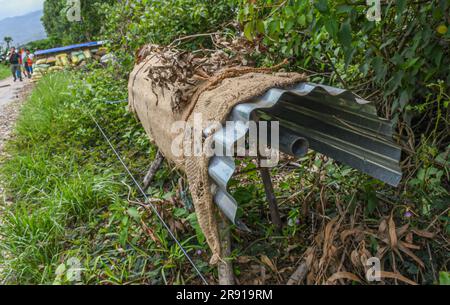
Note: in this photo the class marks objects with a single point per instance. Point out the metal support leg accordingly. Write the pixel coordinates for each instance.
(270, 195)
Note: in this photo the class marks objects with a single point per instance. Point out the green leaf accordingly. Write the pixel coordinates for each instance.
(401, 6)
(404, 98)
(289, 11)
(331, 26)
(372, 202)
(343, 8)
(395, 82)
(248, 31)
(133, 212)
(301, 20)
(411, 62)
(192, 218)
(180, 213)
(444, 278)
(260, 27)
(288, 25)
(274, 26)
(322, 6)
(345, 34)
(380, 68)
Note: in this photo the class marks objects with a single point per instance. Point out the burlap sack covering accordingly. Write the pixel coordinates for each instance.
(158, 106)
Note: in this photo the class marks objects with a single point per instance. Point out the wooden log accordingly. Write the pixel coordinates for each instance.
(299, 275)
(156, 165)
(225, 268)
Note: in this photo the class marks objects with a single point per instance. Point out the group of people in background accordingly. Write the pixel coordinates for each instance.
(21, 62)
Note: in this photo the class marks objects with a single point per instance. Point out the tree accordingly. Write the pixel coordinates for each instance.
(8, 41)
(63, 31)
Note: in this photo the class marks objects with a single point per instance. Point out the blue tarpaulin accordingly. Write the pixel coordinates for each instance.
(69, 48)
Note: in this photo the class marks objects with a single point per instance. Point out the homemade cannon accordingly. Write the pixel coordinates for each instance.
(169, 86)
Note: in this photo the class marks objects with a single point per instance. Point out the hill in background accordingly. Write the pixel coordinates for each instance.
(23, 29)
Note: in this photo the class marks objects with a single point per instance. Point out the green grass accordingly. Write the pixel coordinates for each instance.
(4, 71)
(71, 195)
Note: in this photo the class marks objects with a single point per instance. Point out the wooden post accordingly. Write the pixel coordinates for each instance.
(225, 268)
(270, 195)
(156, 164)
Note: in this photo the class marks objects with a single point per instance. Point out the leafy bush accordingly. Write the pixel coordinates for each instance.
(161, 21)
(63, 31)
(401, 54)
(42, 44)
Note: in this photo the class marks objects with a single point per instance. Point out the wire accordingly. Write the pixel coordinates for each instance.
(149, 202)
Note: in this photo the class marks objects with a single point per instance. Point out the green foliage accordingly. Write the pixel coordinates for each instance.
(161, 21)
(4, 71)
(72, 198)
(444, 278)
(401, 54)
(63, 31)
(42, 44)
(8, 40)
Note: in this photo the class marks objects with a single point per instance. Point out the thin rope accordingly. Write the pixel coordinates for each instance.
(149, 202)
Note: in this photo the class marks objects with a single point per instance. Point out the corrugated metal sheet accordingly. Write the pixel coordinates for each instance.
(69, 48)
(333, 121)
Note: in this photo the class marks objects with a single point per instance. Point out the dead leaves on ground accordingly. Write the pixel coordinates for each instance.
(340, 254)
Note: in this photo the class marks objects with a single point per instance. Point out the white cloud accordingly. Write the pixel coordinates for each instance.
(11, 8)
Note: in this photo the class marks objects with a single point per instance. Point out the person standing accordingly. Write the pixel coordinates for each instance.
(14, 61)
(21, 62)
(29, 63)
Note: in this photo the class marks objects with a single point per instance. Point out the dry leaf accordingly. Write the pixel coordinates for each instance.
(382, 227)
(410, 254)
(343, 275)
(392, 232)
(266, 260)
(347, 233)
(424, 234)
(410, 245)
(409, 238)
(402, 230)
(354, 257)
(398, 276)
(243, 259)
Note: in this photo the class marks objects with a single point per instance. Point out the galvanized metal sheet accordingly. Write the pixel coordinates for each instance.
(334, 121)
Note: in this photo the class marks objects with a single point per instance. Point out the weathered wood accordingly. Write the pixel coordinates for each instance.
(225, 268)
(299, 275)
(270, 195)
(156, 165)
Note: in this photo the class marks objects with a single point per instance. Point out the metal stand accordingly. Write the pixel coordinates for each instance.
(270, 195)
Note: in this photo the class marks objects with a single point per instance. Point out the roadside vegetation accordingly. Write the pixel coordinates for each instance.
(4, 71)
(72, 199)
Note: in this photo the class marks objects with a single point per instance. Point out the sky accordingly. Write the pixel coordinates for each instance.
(12, 8)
